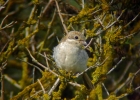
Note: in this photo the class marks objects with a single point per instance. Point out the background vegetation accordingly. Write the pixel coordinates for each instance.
(29, 30)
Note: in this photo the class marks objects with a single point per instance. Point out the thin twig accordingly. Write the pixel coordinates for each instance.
(9, 25)
(46, 58)
(83, 4)
(32, 13)
(126, 94)
(104, 17)
(33, 48)
(41, 86)
(100, 47)
(134, 77)
(91, 67)
(115, 20)
(116, 65)
(122, 85)
(31, 65)
(49, 28)
(2, 77)
(50, 36)
(128, 36)
(31, 16)
(96, 11)
(131, 77)
(137, 88)
(12, 81)
(67, 14)
(34, 60)
(101, 23)
(105, 89)
(89, 43)
(107, 27)
(33, 73)
(3, 21)
(36, 93)
(3, 6)
(132, 20)
(71, 83)
(2, 86)
(61, 18)
(5, 46)
(125, 71)
(111, 2)
(72, 27)
(54, 86)
(46, 7)
(75, 84)
(57, 39)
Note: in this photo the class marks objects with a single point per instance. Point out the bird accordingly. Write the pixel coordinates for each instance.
(71, 56)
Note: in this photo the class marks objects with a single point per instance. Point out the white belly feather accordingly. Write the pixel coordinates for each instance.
(70, 58)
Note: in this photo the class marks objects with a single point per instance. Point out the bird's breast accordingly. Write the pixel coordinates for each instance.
(70, 58)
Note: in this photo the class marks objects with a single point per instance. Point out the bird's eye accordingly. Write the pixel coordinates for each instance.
(76, 37)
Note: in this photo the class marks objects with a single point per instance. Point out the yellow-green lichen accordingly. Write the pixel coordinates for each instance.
(112, 97)
(99, 91)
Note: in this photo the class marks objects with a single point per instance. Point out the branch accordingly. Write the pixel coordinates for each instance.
(61, 18)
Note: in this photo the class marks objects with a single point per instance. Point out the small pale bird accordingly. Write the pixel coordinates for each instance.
(69, 55)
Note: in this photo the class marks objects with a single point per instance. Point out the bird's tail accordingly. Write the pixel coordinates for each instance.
(87, 81)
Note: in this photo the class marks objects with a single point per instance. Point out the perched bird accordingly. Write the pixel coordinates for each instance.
(70, 56)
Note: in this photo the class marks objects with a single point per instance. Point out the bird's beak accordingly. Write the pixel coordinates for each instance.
(84, 43)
